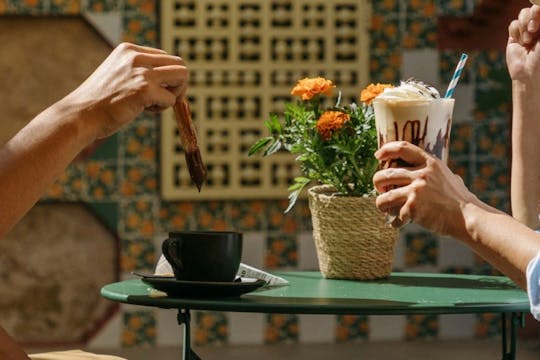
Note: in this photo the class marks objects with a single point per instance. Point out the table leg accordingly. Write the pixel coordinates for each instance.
(184, 318)
(515, 320)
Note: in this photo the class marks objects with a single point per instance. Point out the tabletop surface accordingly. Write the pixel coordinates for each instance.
(309, 293)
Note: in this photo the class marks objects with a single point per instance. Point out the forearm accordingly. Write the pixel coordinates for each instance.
(499, 239)
(32, 160)
(9, 349)
(525, 185)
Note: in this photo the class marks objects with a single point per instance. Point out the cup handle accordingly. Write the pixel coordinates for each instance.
(168, 247)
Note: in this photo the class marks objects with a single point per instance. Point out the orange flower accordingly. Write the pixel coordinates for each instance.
(309, 87)
(372, 91)
(331, 121)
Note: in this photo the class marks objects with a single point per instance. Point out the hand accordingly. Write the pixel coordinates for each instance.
(523, 48)
(132, 79)
(426, 192)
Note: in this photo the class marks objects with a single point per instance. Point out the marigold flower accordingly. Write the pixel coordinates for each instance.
(309, 87)
(331, 121)
(372, 91)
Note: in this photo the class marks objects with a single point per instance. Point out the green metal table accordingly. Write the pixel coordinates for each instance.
(399, 294)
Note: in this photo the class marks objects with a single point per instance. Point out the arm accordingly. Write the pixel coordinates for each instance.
(9, 349)
(432, 196)
(523, 59)
(130, 80)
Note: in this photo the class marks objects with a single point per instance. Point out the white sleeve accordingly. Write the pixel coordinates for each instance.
(533, 285)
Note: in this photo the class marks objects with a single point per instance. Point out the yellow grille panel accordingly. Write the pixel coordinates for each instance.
(244, 57)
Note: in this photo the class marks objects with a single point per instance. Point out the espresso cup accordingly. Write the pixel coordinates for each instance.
(212, 256)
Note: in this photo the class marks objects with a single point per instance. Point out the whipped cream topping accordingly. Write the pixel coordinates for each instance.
(410, 89)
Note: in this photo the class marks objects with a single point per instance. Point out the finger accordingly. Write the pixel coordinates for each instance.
(513, 32)
(523, 19)
(534, 22)
(171, 75)
(390, 178)
(391, 200)
(157, 60)
(159, 99)
(143, 49)
(403, 150)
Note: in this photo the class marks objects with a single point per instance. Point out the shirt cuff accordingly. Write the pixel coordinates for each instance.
(533, 284)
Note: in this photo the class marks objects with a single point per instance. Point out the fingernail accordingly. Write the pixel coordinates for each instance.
(532, 26)
(526, 37)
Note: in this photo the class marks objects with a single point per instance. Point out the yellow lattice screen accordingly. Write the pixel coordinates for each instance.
(244, 57)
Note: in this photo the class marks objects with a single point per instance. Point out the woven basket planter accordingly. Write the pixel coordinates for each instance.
(352, 238)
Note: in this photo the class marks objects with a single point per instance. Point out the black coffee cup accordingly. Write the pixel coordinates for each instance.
(212, 256)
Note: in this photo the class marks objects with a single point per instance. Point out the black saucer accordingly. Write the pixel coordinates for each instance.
(202, 289)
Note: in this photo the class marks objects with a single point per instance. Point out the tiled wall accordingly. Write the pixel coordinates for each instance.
(120, 183)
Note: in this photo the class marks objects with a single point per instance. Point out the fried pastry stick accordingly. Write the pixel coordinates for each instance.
(188, 137)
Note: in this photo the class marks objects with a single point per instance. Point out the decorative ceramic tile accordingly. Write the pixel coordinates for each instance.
(420, 33)
(147, 7)
(460, 140)
(279, 220)
(491, 176)
(211, 215)
(71, 185)
(139, 178)
(448, 60)
(101, 5)
(385, 6)
(499, 200)
(281, 251)
(456, 7)
(137, 255)
(106, 149)
(33, 7)
(281, 328)
(247, 215)
(488, 326)
(492, 140)
(107, 212)
(385, 34)
(139, 141)
(137, 218)
(65, 7)
(139, 329)
(102, 178)
(176, 216)
(421, 327)
(140, 29)
(421, 248)
(351, 328)
(211, 327)
(303, 215)
(385, 67)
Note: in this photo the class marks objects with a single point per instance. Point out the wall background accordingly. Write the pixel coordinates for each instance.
(119, 181)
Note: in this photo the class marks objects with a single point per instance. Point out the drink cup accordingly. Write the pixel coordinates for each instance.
(209, 256)
(422, 122)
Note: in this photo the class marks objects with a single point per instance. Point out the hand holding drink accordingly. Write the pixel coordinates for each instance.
(416, 113)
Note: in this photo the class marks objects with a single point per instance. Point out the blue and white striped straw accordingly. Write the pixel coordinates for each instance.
(457, 74)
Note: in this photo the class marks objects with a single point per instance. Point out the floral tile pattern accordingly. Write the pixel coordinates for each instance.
(421, 249)
(488, 326)
(421, 327)
(281, 251)
(137, 255)
(139, 329)
(281, 328)
(352, 328)
(211, 328)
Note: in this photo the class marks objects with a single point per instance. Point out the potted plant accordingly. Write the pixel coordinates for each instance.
(334, 147)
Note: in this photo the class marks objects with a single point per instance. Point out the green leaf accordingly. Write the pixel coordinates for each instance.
(276, 145)
(259, 145)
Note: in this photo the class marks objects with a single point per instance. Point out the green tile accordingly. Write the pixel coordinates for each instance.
(107, 212)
